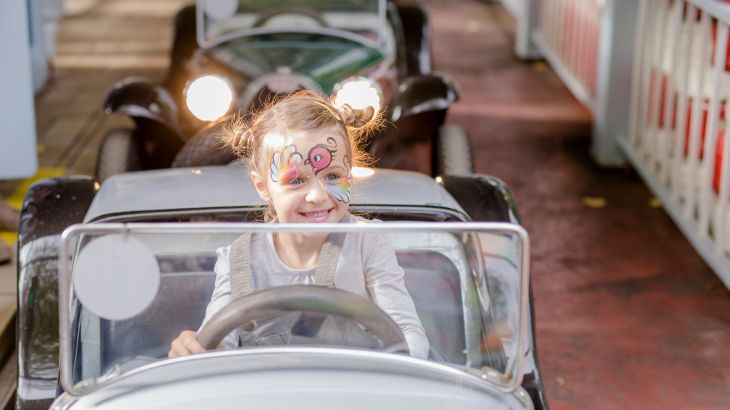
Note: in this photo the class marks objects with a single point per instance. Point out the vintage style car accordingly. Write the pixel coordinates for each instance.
(135, 268)
(229, 57)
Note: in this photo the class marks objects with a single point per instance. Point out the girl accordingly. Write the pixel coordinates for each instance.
(301, 151)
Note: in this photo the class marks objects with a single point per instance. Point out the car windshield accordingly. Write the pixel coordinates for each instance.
(132, 288)
(361, 20)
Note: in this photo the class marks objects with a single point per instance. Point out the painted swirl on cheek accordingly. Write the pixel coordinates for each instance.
(339, 190)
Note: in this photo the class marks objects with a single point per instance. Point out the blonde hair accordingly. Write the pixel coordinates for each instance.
(302, 111)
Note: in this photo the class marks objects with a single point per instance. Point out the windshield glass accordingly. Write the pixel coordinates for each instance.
(220, 20)
(450, 293)
(326, 59)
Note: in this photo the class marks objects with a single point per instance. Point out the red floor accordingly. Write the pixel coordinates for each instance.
(628, 315)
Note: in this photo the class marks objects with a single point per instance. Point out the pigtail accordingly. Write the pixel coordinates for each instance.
(356, 118)
(237, 137)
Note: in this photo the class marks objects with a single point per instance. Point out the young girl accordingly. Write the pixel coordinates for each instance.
(301, 152)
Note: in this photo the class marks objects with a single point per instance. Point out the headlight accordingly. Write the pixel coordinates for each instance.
(362, 172)
(359, 93)
(209, 97)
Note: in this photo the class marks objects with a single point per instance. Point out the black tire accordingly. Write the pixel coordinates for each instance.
(452, 152)
(119, 152)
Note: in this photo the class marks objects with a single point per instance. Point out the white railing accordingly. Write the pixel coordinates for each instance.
(589, 45)
(569, 37)
(678, 124)
(525, 13)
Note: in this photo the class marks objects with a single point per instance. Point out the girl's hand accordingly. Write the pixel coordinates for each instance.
(185, 344)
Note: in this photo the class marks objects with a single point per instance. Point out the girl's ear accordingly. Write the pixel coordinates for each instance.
(260, 185)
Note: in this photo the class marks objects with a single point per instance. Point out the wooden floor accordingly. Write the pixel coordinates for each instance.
(628, 315)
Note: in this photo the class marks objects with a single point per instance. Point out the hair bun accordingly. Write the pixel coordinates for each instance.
(356, 118)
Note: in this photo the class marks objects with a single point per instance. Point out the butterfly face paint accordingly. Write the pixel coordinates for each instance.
(284, 165)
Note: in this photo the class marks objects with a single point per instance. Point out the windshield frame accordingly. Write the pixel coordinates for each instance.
(206, 43)
(507, 381)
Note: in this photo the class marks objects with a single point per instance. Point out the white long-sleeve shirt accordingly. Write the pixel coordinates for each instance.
(367, 266)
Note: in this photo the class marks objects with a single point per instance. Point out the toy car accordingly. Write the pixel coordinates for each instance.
(468, 279)
(230, 57)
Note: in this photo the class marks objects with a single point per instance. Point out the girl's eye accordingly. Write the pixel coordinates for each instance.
(294, 181)
(333, 177)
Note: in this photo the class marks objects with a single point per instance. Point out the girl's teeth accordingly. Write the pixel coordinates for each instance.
(315, 214)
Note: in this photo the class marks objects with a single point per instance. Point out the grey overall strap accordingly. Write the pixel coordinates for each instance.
(324, 275)
(239, 258)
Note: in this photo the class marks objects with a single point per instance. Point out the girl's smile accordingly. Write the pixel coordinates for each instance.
(317, 216)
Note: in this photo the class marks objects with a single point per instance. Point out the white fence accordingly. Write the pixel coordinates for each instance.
(656, 76)
(678, 118)
(589, 44)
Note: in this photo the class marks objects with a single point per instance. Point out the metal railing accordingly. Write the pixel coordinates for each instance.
(678, 124)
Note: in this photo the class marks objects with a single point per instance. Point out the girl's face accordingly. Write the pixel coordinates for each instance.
(308, 181)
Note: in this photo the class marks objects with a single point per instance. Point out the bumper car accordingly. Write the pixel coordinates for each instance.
(231, 57)
(110, 273)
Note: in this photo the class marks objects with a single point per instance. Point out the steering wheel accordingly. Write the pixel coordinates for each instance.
(277, 11)
(318, 299)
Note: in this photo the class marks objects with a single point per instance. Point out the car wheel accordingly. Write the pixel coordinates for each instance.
(119, 153)
(452, 152)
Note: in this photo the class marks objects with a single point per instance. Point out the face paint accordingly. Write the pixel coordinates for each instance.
(284, 165)
(339, 190)
(320, 156)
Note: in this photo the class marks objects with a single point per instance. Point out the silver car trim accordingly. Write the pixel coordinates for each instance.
(508, 381)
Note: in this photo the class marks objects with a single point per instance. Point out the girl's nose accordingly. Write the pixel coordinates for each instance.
(316, 193)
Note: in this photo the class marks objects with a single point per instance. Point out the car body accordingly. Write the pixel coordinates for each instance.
(230, 58)
(206, 205)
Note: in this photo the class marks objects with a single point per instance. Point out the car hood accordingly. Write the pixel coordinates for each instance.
(302, 378)
(230, 186)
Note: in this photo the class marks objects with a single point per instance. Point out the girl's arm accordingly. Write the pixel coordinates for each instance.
(187, 342)
(221, 294)
(386, 285)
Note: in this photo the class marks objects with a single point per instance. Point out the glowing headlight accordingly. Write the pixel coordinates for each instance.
(358, 92)
(209, 97)
(360, 172)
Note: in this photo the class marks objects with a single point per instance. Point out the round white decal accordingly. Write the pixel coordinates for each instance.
(116, 277)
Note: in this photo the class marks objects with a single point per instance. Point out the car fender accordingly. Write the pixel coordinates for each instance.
(422, 94)
(50, 206)
(483, 197)
(417, 36)
(488, 199)
(143, 100)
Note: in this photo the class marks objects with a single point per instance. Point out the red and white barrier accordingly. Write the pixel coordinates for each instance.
(569, 36)
(679, 107)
